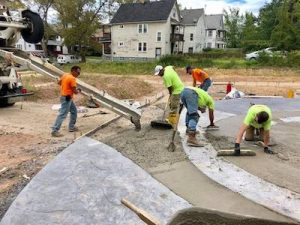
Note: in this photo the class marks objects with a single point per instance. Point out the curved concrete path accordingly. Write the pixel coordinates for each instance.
(84, 185)
(279, 199)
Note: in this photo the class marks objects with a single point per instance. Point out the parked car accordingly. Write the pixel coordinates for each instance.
(64, 59)
(255, 55)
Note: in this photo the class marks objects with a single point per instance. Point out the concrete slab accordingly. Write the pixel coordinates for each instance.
(85, 184)
(187, 181)
(240, 106)
(238, 180)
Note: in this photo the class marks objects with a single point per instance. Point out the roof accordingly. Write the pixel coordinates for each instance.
(214, 21)
(139, 12)
(191, 16)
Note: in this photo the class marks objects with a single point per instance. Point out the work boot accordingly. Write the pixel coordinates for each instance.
(56, 134)
(74, 129)
(192, 141)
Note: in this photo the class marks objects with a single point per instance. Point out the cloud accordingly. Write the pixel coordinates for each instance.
(218, 6)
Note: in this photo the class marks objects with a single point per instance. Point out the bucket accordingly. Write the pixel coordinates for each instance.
(291, 93)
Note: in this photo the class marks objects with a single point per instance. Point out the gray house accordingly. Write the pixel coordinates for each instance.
(215, 31)
(194, 30)
(145, 30)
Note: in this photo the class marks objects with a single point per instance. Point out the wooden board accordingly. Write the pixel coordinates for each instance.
(230, 152)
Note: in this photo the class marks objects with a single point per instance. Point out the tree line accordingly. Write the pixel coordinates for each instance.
(277, 25)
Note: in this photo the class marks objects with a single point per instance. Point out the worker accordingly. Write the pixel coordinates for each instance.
(175, 87)
(68, 88)
(258, 117)
(195, 99)
(199, 76)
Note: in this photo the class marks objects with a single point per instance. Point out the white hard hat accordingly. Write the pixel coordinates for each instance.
(157, 69)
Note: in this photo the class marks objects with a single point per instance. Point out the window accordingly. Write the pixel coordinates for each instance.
(191, 50)
(121, 44)
(158, 37)
(142, 28)
(121, 26)
(191, 37)
(210, 33)
(208, 45)
(142, 47)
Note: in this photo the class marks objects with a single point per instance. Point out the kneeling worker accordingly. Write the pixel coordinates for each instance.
(195, 99)
(258, 117)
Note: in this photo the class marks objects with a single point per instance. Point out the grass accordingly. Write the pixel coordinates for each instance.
(97, 65)
(118, 68)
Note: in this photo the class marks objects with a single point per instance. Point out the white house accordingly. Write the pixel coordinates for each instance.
(147, 30)
(215, 31)
(54, 45)
(194, 30)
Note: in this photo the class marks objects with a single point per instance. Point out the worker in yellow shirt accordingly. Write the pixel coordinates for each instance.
(199, 76)
(258, 117)
(174, 85)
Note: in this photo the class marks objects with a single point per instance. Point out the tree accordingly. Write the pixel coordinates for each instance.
(233, 24)
(267, 19)
(285, 35)
(43, 8)
(80, 19)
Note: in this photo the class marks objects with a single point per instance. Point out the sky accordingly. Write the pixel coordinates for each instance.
(217, 6)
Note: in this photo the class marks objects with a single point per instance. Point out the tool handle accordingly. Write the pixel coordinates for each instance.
(165, 109)
(147, 218)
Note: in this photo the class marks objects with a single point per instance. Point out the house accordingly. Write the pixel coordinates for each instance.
(55, 46)
(194, 30)
(144, 30)
(215, 31)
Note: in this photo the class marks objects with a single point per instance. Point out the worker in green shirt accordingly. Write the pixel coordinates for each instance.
(195, 99)
(175, 86)
(258, 117)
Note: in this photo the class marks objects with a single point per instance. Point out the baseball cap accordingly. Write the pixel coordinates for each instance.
(157, 69)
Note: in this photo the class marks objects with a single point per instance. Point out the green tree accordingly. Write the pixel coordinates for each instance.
(80, 19)
(267, 19)
(43, 8)
(249, 34)
(233, 24)
(285, 35)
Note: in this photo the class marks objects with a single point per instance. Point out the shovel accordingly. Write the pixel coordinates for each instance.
(172, 146)
(162, 124)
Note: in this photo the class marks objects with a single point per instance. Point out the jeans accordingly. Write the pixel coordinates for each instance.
(66, 106)
(189, 99)
(205, 85)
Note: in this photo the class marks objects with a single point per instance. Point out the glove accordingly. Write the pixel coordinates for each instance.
(268, 150)
(237, 149)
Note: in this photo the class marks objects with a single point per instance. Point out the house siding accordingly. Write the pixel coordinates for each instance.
(131, 38)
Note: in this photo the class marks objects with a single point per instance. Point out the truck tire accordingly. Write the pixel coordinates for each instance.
(4, 103)
(35, 32)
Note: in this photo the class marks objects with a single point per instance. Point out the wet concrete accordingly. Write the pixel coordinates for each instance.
(199, 216)
(85, 185)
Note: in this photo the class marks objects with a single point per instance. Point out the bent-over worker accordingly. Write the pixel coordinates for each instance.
(195, 99)
(199, 76)
(68, 88)
(258, 117)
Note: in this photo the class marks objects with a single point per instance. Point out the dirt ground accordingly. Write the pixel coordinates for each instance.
(26, 144)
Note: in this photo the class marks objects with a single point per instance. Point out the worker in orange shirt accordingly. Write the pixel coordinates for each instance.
(68, 88)
(199, 76)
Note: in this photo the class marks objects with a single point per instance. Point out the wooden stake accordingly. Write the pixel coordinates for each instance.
(146, 217)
